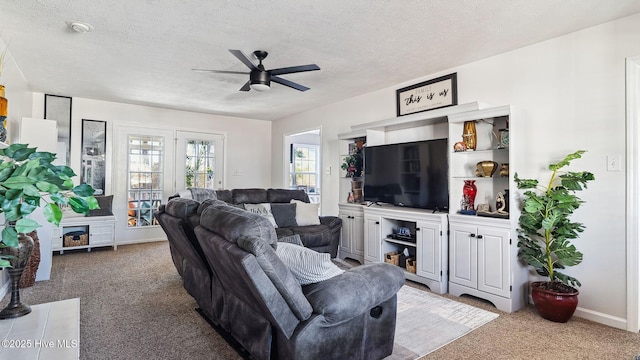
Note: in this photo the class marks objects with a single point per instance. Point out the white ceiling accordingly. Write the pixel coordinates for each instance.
(142, 51)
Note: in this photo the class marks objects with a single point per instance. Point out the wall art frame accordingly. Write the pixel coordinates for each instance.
(58, 108)
(94, 147)
(428, 95)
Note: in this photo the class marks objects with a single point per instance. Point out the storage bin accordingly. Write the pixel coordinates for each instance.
(411, 264)
(76, 238)
(393, 258)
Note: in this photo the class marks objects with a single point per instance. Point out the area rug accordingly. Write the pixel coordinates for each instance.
(426, 322)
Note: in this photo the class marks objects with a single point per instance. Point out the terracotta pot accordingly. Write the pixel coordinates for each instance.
(553, 305)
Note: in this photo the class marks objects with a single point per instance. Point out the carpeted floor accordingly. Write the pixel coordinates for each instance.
(133, 306)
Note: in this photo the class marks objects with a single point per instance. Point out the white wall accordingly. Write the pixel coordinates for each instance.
(248, 146)
(571, 90)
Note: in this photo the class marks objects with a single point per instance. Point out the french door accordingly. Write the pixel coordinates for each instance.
(199, 160)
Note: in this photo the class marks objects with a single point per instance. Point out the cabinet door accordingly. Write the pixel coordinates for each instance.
(101, 234)
(428, 251)
(494, 268)
(345, 232)
(357, 235)
(463, 255)
(56, 238)
(372, 239)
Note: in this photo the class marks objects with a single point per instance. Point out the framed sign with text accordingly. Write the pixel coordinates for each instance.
(431, 94)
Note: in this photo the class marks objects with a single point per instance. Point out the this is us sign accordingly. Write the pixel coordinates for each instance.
(428, 95)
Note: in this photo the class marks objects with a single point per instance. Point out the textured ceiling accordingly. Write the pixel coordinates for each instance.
(142, 51)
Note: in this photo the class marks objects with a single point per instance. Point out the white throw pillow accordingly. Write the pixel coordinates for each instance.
(263, 209)
(306, 265)
(306, 214)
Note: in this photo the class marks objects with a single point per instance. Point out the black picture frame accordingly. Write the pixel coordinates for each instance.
(58, 108)
(428, 95)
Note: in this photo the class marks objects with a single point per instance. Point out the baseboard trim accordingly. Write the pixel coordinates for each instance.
(601, 318)
(129, 242)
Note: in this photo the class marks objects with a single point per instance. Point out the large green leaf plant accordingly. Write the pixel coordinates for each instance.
(545, 228)
(28, 179)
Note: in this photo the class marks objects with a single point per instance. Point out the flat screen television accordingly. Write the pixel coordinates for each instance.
(413, 174)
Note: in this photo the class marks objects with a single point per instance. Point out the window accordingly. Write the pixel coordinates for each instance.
(305, 168)
(145, 178)
(200, 164)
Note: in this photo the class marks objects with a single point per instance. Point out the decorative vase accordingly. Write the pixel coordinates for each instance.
(504, 170)
(3, 115)
(469, 191)
(469, 135)
(554, 305)
(486, 168)
(21, 254)
(29, 274)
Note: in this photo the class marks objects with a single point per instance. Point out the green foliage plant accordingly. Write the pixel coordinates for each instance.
(27, 180)
(545, 229)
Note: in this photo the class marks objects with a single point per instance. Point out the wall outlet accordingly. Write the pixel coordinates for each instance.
(614, 163)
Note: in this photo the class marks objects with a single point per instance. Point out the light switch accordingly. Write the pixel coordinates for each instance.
(614, 163)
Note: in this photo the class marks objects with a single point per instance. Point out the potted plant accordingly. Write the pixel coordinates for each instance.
(544, 235)
(28, 180)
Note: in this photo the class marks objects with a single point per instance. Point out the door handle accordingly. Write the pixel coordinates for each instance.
(479, 236)
(472, 235)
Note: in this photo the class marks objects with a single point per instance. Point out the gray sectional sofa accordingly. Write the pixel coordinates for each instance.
(230, 263)
(323, 236)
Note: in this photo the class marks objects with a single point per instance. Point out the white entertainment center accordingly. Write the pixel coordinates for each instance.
(454, 253)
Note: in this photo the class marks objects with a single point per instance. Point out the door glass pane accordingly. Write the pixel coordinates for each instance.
(145, 180)
(199, 164)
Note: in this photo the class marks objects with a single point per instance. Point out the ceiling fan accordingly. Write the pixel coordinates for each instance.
(259, 78)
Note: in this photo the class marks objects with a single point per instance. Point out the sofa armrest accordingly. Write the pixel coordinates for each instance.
(355, 291)
(331, 221)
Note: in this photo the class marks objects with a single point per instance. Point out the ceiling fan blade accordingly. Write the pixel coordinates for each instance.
(221, 71)
(246, 86)
(294, 69)
(245, 60)
(288, 83)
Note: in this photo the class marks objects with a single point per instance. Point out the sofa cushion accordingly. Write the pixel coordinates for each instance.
(263, 209)
(306, 265)
(232, 223)
(249, 196)
(202, 194)
(105, 204)
(282, 232)
(286, 195)
(368, 285)
(210, 202)
(284, 214)
(278, 273)
(306, 214)
(181, 207)
(291, 239)
(224, 195)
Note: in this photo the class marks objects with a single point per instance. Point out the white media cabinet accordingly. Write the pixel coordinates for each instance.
(352, 233)
(427, 245)
(100, 229)
(455, 253)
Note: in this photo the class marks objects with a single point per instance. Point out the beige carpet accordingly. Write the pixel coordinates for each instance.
(133, 306)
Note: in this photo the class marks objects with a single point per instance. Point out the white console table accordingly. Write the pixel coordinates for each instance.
(50, 331)
(100, 229)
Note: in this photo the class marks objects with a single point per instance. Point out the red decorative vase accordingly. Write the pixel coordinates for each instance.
(554, 305)
(469, 190)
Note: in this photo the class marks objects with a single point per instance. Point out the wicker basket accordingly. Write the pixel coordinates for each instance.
(76, 238)
(392, 258)
(411, 264)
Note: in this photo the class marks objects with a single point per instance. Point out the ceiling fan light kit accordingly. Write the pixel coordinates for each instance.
(259, 78)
